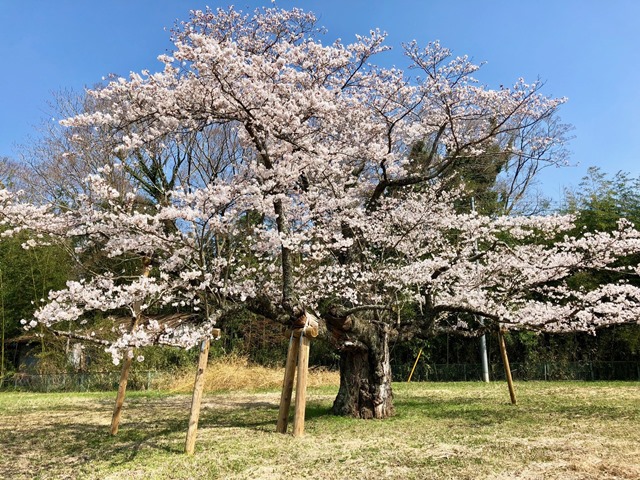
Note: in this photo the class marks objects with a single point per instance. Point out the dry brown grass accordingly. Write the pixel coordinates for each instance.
(233, 373)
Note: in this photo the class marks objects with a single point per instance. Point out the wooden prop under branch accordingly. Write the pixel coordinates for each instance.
(297, 359)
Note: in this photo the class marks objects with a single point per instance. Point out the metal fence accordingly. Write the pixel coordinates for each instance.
(586, 371)
(77, 382)
(453, 372)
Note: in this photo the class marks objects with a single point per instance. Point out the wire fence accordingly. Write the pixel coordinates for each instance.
(424, 372)
(456, 372)
(77, 382)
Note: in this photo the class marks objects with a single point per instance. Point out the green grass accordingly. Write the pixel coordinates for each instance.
(441, 430)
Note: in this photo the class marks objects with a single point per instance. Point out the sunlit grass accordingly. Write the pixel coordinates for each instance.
(441, 430)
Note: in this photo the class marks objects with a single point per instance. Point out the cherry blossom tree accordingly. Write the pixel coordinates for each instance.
(320, 203)
(155, 268)
(130, 239)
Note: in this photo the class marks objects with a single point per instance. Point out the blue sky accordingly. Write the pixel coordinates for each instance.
(587, 50)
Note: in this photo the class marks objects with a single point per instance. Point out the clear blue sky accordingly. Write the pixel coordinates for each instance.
(587, 50)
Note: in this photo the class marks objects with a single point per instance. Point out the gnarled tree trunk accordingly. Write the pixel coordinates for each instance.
(365, 374)
(365, 367)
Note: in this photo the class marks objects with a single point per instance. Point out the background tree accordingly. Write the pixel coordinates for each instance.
(26, 277)
(601, 200)
(599, 203)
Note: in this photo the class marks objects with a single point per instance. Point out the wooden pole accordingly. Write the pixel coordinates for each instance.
(507, 368)
(126, 365)
(196, 400)
(298, 352)
(301, 386)
(287, 384)
(414, 366)
(122, 389)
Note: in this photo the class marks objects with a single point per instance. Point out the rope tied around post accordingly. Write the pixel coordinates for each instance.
(311, 327)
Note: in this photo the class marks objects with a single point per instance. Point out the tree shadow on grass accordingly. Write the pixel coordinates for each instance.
(70, 444)
(257, 415)
(486, 412)
(316, 411)
(246, 418)
(75, 436)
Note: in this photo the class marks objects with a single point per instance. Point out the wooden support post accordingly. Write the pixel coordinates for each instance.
(196, 399)
(414, 366)
(298, 352)
(122, 389)
(128, 360)
(507, 368)
(287, 385)
(301, 386)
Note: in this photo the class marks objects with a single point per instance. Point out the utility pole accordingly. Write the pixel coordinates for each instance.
(483, 357)
(483, 339)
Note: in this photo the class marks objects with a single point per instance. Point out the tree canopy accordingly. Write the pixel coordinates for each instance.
(290, 182)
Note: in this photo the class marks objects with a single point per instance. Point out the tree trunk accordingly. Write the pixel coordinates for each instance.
(365, 377)
(127, 361)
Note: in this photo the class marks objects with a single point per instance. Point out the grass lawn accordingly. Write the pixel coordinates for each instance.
(567, 430)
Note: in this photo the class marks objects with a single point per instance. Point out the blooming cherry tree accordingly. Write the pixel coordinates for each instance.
(322, 204)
